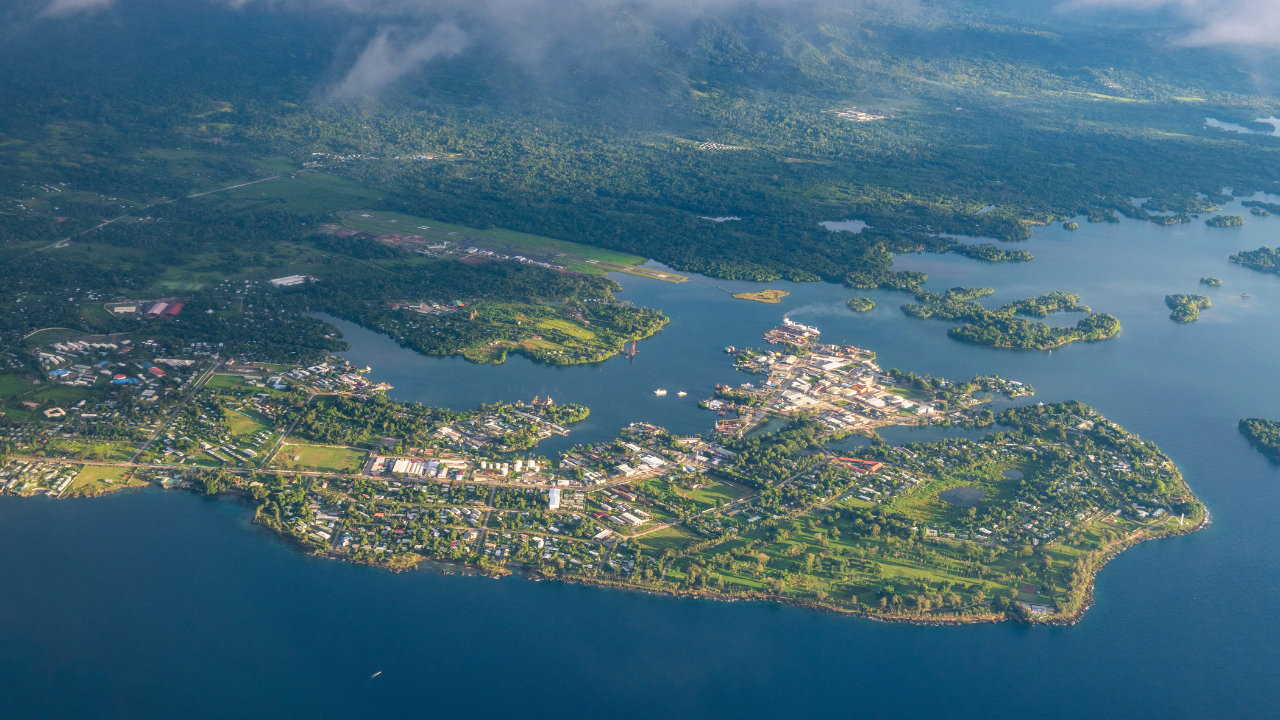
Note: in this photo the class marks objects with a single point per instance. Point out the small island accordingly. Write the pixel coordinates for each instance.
(1224, 221)
(765, 296)
(1264, 435)
(1071, 225)
(861, 304)
(1264, 259)
(990, 253)
(1186, 308)
(1001, 329)
(1211, 281)
(1261, 209)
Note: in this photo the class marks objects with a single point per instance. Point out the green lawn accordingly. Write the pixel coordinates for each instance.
(321, 458)
(673, 537)
(94, 479)
(91, 449)
(244, 422)
(708, 495)
(225, 382)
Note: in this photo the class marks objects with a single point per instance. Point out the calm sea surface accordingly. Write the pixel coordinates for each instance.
(166, 605)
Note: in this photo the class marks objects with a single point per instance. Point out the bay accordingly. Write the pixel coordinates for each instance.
(160, 604)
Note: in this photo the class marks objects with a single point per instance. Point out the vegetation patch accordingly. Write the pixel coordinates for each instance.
(861, 304)
(1186, 308)
(764, 296)
(321, 458)
(1000, 328)
(1264, 434)
(1264, 259)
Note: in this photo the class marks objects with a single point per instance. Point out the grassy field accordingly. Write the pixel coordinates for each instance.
(673, 537)
(225, 382)
(306, 192)
(709, 494)
(91, 449)
(566, 327)
(321, 458)
(244, 423)
(96, 479)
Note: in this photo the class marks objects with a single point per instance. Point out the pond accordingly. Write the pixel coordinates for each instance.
(962, 496)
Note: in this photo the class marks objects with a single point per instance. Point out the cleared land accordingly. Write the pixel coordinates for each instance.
(574, 256)
(320, 457)
(764, 296)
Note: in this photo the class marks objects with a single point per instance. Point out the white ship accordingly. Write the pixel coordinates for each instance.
(659, 392)
(681, 393)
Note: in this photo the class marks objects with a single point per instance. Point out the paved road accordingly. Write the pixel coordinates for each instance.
(168, 418)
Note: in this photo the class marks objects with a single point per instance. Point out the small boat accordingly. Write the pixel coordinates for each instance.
(375, 675)
(1245, 295)
(681, 393)
(659, 392)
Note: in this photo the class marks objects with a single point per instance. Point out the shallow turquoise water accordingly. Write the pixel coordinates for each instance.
(160, 605)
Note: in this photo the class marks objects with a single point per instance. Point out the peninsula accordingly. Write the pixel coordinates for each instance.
(1012, 525)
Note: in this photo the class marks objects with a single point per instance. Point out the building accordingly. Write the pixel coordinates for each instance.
(290, 280)
(553, 499)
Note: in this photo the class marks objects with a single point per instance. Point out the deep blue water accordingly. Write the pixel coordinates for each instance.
(161, 604)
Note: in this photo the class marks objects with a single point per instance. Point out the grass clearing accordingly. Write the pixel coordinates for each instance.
(242, 423)
(568, 328)
(672, 537)
(106, 451)
(96, 479)
(709, 494)
(307, 192)
(225, 382)
(320, 457)
(410, 225)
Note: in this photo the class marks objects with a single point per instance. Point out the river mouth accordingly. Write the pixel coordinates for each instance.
(962, 496)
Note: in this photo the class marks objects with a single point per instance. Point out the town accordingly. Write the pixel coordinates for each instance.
(771, 504)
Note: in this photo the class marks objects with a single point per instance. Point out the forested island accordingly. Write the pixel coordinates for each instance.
(1211, 281)
(991, 253)
(1264, 259)
(1000, 328)
(1264, 435)
(1186, 308)
(1224, 221)
(860, 304)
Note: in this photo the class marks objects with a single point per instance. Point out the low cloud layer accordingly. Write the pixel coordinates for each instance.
(63, 8)
(394, 53)
(1214, 22)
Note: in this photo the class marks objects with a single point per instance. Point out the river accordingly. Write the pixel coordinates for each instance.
(160, 604)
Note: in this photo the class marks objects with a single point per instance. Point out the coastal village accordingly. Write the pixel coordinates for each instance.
(771, 502)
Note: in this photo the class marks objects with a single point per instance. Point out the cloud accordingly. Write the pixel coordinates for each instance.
(63, 8)
(1215, 22)
(394, 53)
